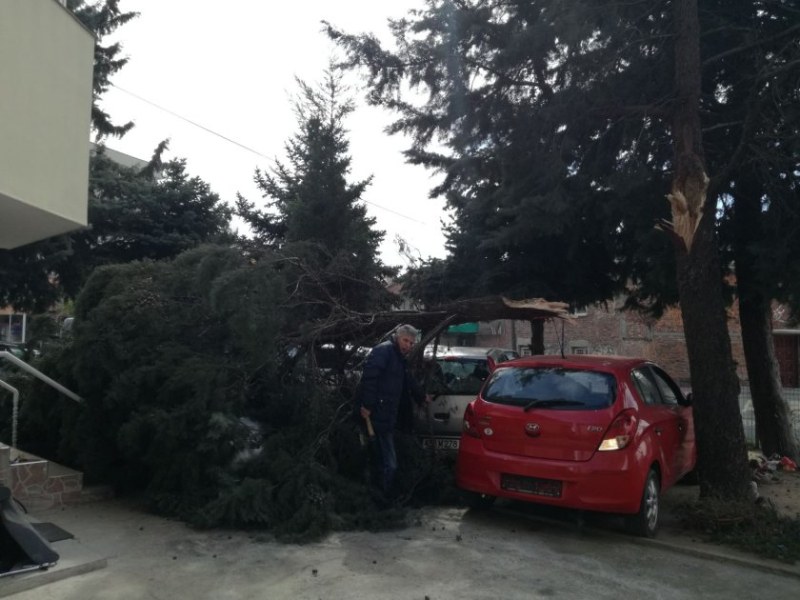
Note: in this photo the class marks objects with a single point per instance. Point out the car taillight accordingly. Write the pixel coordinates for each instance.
(620, 433)
(470, 422)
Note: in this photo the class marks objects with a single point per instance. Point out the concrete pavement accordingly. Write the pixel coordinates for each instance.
(121, 552)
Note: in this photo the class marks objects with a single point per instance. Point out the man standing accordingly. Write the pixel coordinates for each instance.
(385, 385)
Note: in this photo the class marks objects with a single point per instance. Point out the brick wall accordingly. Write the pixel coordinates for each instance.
(610, 330)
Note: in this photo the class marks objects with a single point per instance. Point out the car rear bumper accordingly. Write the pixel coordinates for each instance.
(608, 482)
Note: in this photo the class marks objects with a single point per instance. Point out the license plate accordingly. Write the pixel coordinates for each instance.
(441, 443)
(531, 485)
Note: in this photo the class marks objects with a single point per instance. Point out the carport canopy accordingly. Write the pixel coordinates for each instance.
(366, 328)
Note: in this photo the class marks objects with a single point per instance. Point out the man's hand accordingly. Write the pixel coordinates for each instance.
(365, 412)
(428, 398)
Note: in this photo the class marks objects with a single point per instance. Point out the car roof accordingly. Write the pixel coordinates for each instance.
(579, 361)
(462, 351)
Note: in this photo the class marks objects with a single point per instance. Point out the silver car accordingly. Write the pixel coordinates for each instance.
(453, 377)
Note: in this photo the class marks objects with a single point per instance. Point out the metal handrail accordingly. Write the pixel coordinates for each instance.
(39, 375)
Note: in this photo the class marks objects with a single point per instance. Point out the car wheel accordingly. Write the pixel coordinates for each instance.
(645, 522)
(478, 501)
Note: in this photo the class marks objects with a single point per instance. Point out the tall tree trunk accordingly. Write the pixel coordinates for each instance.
(773, 419)
(773, 423)
(721, 451)
(537, 336)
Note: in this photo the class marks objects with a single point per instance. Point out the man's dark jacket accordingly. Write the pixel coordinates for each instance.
(387, 386)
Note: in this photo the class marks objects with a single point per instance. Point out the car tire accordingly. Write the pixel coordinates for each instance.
(645, 522)
(478, 501)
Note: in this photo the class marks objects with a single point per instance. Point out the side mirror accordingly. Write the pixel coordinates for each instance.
(689, 399)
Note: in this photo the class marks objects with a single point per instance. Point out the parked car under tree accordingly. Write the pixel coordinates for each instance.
(455, 376)
(598, 433)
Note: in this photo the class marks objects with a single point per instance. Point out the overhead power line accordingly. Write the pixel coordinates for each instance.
(194, 123)
(239, 144)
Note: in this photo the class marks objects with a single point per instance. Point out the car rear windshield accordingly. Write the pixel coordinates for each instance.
(551, 388)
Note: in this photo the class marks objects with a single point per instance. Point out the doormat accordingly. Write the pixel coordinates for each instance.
(52, 532)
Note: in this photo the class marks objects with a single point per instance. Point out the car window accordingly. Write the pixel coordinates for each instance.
(459, 376)
(648, 390)
(670, 392)
(550, 387)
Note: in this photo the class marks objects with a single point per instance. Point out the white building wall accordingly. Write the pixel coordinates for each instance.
(46, 63)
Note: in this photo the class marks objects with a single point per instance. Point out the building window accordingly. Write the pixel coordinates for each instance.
(578, 346)
(12, 328)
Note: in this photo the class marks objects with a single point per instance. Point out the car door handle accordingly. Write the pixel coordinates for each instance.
(441, 416)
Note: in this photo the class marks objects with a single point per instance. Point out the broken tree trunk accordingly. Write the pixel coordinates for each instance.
(722, 456)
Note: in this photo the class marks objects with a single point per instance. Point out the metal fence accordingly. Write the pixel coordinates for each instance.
(792, 397)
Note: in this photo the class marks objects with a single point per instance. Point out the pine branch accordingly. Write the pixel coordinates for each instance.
(744, 48)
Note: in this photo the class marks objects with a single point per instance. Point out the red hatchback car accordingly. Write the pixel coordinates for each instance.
(584, 432)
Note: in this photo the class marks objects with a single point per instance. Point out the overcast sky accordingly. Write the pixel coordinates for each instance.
(230, 67)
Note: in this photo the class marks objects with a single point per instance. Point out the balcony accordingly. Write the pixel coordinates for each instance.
(46, 62)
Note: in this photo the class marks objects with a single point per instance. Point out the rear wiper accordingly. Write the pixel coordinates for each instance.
(536, 403)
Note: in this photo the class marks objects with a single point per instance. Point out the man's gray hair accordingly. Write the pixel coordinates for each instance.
(406, 331)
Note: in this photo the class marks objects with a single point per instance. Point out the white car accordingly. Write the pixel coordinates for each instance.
(454, 377)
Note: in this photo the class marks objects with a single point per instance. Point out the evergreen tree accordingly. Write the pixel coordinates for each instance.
(103, 18)
(753, 98)
(558, 122)
(529, 156)
(186, 359)
(153, 212)
(315, 216)
(163, 354)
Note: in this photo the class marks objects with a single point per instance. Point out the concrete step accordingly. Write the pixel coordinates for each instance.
(41, 484)
(75, 559)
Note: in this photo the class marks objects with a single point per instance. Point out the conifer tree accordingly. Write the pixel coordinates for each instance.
(556, 124)
(135, 213)
(103, 18)
(315, 216)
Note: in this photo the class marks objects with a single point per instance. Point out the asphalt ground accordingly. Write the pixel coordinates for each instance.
(512, 551)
